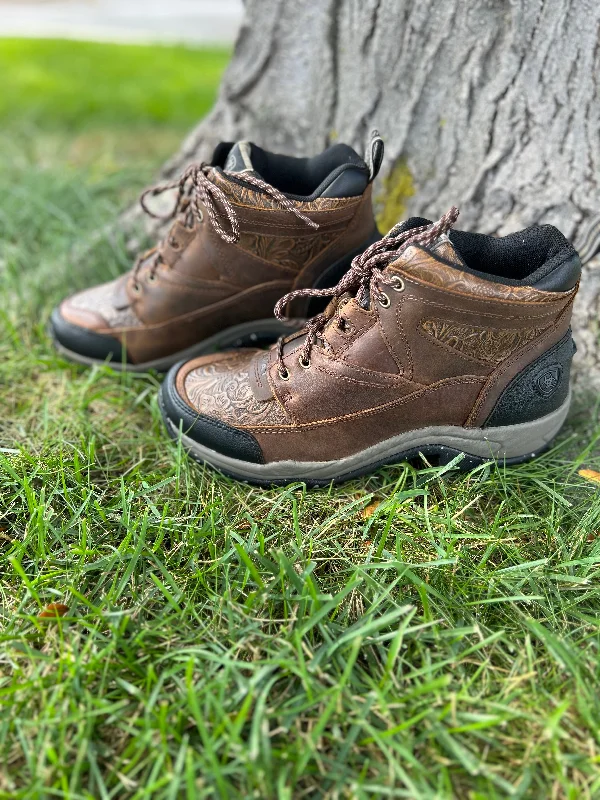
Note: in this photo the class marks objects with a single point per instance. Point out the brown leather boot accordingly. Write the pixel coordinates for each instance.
(249, 227)
(436, 342)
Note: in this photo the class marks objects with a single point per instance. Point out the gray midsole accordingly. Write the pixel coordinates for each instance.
(227, 338)
(507, 441)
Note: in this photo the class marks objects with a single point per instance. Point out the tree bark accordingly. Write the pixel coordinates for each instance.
(492, 106)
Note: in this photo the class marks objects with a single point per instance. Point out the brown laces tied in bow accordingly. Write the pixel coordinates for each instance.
(363, 277)
(195, 186)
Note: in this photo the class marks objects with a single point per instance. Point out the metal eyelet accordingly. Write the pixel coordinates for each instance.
(304, 364)
(136, 288)
(285, 376)
(384, 301)
(151, 277)
(345, 327)
(397, 284)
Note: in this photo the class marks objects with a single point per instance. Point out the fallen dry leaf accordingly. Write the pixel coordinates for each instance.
(590, 475)
(54, 610)
(370, 509)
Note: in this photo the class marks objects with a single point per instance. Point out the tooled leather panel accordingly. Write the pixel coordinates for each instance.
(491, 345)
(250, 197)
(222, 389)
(420, 264)
(289, 252)
(102, 299)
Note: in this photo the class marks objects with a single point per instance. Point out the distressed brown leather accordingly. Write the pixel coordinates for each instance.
(440, 354)
(204, 284)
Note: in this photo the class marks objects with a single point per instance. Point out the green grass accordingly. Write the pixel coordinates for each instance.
(108, 105)
(73, 86)
(222, 641)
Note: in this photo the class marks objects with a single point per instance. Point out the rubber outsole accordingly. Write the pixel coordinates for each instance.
(511, 444)
(258, 333)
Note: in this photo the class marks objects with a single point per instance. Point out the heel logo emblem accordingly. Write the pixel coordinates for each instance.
(547, 381)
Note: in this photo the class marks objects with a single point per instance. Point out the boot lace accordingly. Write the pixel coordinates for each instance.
(363, 279)
(196, 186)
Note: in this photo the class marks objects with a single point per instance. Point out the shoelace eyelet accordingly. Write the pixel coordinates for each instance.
(285, 376)
(343, 326)
(304, 364)
(136, 288)
(151, 277)
(397, 284)
(174, 243)
(384, 301)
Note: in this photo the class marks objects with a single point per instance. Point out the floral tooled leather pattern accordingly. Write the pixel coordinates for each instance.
(101, 299)
(484, 344)
(420, 264)
(250, 197)
(289, 252)
(222, 390)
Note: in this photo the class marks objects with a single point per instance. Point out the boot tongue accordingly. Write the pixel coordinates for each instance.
(446, 250)
(442, 248)
(240, 159)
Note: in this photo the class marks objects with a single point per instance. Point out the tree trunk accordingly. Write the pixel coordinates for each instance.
(492, 106)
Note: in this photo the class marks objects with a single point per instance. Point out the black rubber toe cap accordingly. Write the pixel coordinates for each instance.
(84, 342)
(208, 431)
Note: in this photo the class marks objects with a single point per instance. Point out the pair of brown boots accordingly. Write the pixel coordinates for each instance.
(435, 341)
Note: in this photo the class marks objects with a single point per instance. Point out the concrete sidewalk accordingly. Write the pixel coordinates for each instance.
(143, 21)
